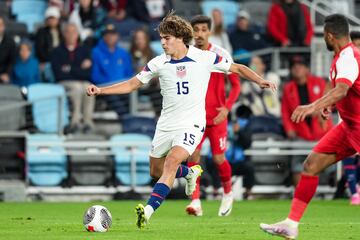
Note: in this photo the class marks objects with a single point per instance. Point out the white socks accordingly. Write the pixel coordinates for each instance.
(292, 223)
(148, 210)
(196, 203)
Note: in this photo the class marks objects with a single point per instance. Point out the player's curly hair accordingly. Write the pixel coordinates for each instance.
(176, 26)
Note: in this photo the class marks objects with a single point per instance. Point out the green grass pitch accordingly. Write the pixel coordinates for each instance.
(323, 220)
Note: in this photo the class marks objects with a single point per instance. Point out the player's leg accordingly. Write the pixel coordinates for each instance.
(156, 166)
(350, 174)
(194, 208)
(333, 147)
(305, 190)
(183, 144)
(217, 136)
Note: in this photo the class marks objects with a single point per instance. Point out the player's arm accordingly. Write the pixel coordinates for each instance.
(118, 88)
(330, 98)
(249, 74)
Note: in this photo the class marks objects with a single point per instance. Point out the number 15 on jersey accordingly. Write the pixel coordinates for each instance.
(182, 88)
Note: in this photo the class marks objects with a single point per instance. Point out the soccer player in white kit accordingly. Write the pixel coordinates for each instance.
(184, 73)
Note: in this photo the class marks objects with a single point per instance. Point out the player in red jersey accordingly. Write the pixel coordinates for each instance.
(217, 109)
(340, 142)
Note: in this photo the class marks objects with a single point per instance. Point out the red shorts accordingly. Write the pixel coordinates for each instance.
(339, 140)
(217, 135)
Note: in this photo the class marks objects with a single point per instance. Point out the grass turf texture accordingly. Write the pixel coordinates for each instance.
(323, 220)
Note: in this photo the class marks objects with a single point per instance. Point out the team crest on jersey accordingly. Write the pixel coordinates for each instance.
(180, 71)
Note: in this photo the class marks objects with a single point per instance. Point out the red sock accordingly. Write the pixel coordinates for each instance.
(196, 193)
(304, 192)
(224, 170)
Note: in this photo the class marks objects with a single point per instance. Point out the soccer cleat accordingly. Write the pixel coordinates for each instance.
(226, 204)
(191, 178)
(280, 229)
(140, 214)
(355, 199)
(194, 209)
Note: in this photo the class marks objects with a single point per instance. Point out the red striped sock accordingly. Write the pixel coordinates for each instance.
(304, 192)
(224, 170)
(196, 193)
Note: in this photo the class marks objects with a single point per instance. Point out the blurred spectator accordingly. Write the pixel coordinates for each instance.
(289, 23)
(116, 9)
(71, 64)
(241, 140)
(261, 101)
(26, 69)
(140, 49)
(243, 38)
(88, 20)
(48, 37)
(355, 38)
(7, 53)
(111, 64)
(219, 36)
(142, 53)
(65, 6)
(150, 11)
(302, 89)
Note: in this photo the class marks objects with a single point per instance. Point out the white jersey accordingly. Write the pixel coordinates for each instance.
(220, 51)
(183, 86)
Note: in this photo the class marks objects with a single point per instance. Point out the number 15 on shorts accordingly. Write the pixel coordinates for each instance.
(189, 139)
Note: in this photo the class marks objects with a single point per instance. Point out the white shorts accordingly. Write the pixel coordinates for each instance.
(187, 138)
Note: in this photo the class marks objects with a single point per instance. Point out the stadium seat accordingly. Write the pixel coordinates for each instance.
(32, 20)
(47, 166)
(270, 169)
(45, 106)
(16, 29)
(12, 162)
(124, 154)
(89, 168)
(13, 116)
(265, 124)
(138, 124)
(156, 47)
(229, 9)
(19, 7)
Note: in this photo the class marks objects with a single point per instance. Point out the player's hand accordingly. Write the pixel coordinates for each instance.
(301, 112)
(222, 115)
(325, 113)
(267, 84)
(93, 90)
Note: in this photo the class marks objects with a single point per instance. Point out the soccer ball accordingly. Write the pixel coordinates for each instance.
(97, 219)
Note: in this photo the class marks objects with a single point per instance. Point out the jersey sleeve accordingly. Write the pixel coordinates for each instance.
(347, 69)
(149, 72)
(219, 63)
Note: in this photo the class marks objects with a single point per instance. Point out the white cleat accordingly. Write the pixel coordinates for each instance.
(194, 173)
(194, 208)
(281, 229)
(226, 205)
